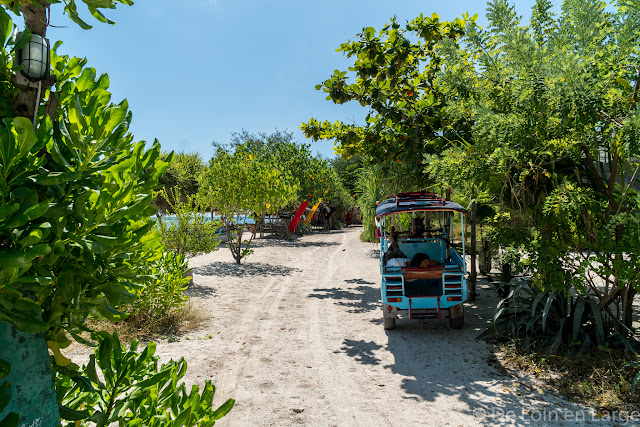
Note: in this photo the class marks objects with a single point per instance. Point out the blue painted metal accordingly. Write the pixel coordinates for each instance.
(416, 202)
(452, 265)
(33, 392)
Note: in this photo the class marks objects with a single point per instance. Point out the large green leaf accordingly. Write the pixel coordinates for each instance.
(547, 309)
(6, 26)
(577, 316)
(25, 37)
(223, 409)
(5, 370)
(69, 414)
(157, 378)
(14, 260)
(111, 313)
(597, 317)
(5, 394)
(8, 209)
(107, 4)
(72, 11)
(23, 323)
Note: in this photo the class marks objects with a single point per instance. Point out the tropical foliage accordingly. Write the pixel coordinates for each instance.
(188, 231)
(314, 177)
(538, 120)
(76, 205)
(377, 181)
(130, 387)
(162, 296)
(394, 73)
(239, 184)
(554, 142)
(182, 174)
(75, 197)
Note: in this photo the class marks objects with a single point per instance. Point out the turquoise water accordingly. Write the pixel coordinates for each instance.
(207, 216)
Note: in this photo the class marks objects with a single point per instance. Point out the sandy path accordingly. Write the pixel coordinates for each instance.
(295, 336)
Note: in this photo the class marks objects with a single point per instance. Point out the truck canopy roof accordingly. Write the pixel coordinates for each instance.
(416, 201)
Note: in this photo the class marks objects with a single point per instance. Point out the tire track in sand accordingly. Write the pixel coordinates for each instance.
(336, 379)
(270, 295)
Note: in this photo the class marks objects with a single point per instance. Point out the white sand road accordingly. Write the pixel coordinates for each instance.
(295, 336)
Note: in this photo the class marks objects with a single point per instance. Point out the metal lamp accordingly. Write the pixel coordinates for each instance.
(34, 58)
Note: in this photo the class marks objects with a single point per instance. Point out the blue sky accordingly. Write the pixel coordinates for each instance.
(195, 71)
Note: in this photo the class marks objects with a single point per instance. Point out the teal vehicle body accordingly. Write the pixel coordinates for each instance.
(422, 289)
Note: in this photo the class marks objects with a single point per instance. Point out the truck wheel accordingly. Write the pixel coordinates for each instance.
(389, 314)
(456, 316)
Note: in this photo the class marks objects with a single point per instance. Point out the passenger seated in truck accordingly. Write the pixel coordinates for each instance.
(394, 257)
(421, 260)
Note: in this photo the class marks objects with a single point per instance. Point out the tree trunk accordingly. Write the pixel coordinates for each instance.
(31, 378)
(627, 306)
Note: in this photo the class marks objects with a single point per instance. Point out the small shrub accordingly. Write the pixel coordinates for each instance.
(163, 296)
(633, 370)
(303, 229)
(190, 232)
(130, 388)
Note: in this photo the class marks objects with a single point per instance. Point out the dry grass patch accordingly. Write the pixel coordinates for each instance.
(601, 378)
(177, 322)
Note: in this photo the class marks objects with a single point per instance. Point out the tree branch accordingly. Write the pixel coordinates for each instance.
(635, 89)
(592, 167)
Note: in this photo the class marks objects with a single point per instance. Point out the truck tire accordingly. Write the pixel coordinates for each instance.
(389, 323)
(456, 316)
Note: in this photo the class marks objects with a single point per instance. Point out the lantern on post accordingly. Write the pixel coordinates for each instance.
(34, 58)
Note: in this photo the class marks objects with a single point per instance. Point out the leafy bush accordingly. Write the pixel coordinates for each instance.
(239, 184)
(163, 294)
(130, 388)
(191, 233)
(303, 229)
(545, 320)
(634, 368)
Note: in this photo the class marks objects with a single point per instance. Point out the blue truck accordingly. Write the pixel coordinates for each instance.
(423, 271)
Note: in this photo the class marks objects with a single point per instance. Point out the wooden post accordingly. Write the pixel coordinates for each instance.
(472, 273)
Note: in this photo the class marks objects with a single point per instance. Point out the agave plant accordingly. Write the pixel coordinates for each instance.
(545, 320)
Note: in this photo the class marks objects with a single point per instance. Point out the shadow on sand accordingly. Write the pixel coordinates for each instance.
(374, 253)
(271, 242)
(434, 360)
(360, 299)
(200, 291)
(227, 269)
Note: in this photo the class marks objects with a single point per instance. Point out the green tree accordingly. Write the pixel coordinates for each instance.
(376, 181)
(188, 232)
(182, 174)
(554, 108)
(394, 72)
(348, 170)
(309, 173)
(314, 176)
(75, 198)
(241, 185)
